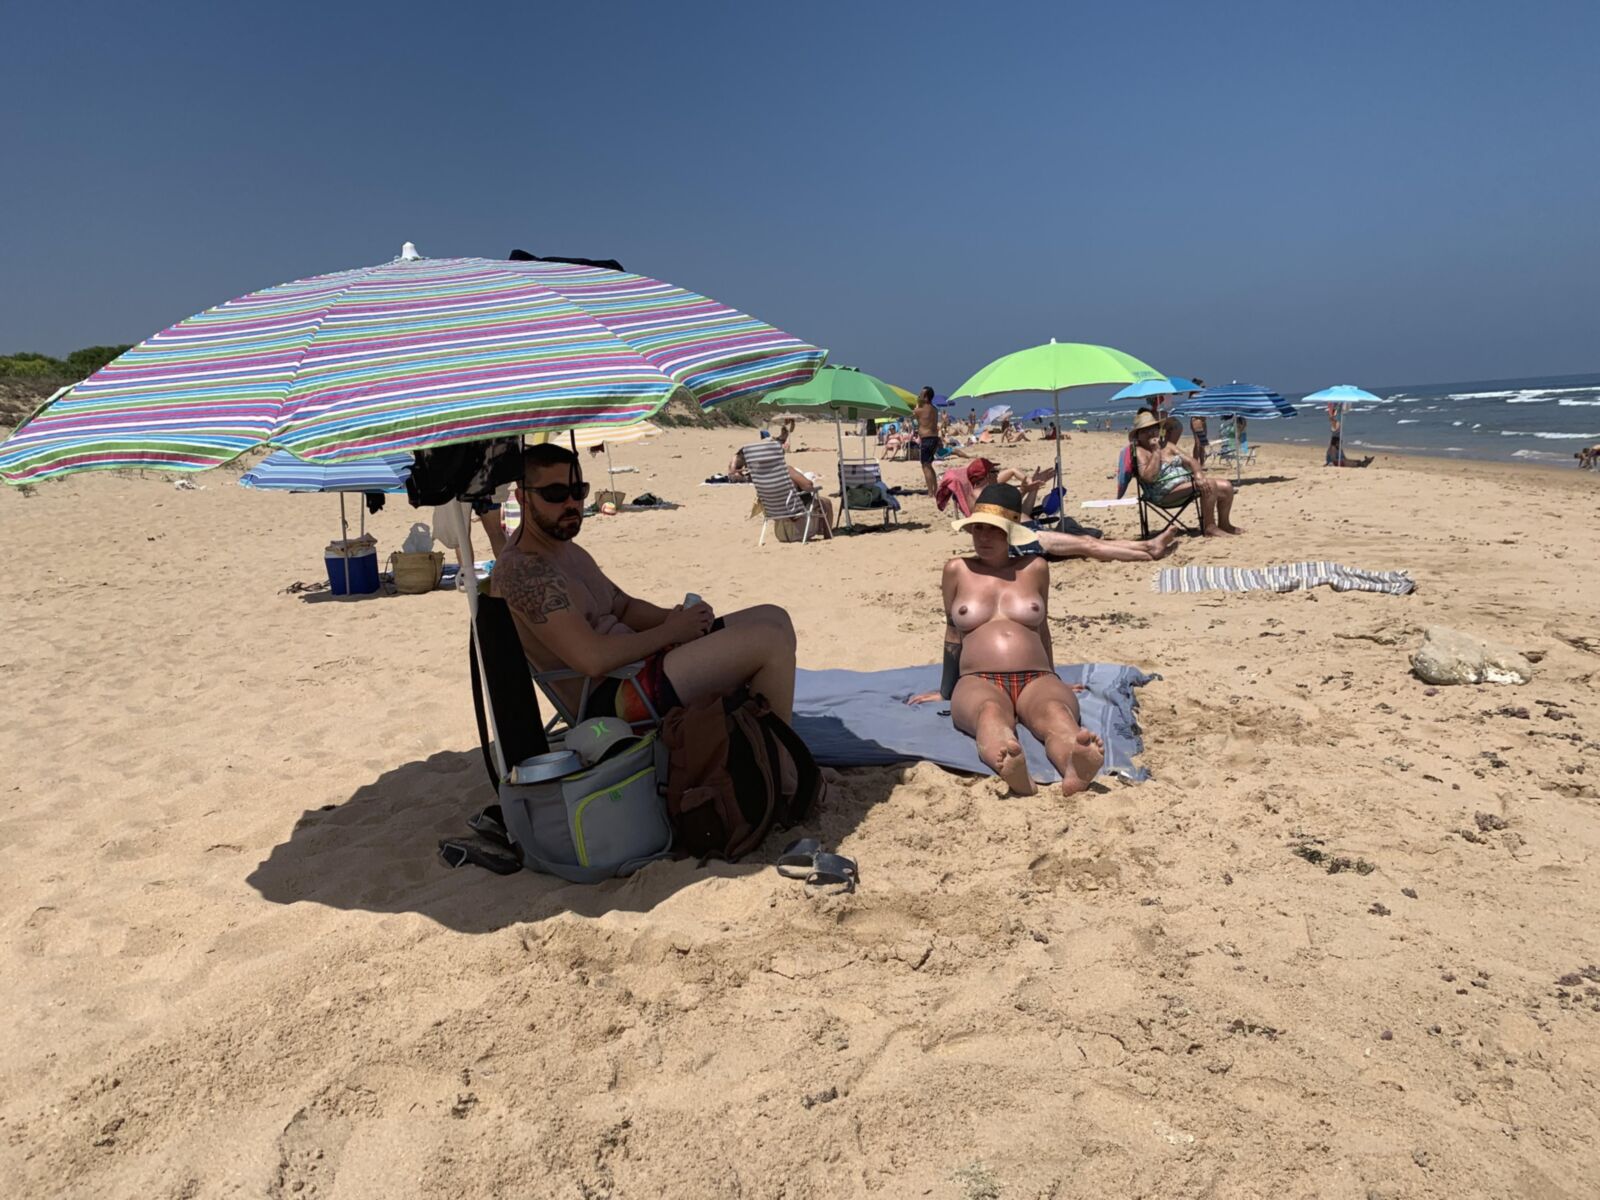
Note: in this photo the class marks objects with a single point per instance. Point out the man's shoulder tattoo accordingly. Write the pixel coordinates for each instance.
(536, 589)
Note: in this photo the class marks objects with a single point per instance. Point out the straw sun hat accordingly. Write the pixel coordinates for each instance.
(1000, 505)
(1145, 421)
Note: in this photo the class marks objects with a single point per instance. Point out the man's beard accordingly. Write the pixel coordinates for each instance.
(564, 528)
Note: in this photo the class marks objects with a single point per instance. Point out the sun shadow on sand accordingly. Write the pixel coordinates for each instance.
(1251, 479)
(378, 852)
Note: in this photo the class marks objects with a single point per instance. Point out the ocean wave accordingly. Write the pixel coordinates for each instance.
(1458, 422)
(1579, 403)
(1535, 398)
(1536, 454)
(1407, 421)
(1560, 437)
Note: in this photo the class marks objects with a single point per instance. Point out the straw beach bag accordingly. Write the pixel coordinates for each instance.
(416, 572)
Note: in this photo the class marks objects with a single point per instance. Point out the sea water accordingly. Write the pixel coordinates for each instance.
(1546, 419)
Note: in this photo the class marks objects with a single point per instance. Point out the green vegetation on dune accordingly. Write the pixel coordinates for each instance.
(25, 364)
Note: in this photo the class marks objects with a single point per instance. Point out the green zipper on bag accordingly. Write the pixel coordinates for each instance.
(613, 793)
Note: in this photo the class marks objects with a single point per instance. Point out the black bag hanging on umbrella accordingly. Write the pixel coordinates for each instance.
(466, 471)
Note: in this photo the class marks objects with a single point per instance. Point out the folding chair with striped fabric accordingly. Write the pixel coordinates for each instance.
(864, 478)
(779, 499)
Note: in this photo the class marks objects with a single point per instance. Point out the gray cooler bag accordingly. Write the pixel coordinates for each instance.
(595, 824)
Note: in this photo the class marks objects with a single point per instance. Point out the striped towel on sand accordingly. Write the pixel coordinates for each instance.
(1284, 577)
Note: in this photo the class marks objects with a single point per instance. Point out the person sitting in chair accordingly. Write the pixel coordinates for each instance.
(570, 615)
(999, 663)
(1172, 476)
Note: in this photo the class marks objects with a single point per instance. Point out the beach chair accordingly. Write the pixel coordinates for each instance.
(1168, 517)
(858, 480)
(776, 495)
(1231, 450)
(507, 682)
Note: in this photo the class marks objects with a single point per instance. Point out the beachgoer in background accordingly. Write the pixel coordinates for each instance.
(487, 510)
(928, 437)
(1335, 454)
(963, 486)
(893, 440)
(1588, 457)
(1056, 545)
(737, 471)
(999, 661)
(570, 615)
(1197, 426)
(1171, 475)
(785, 431)
(972, 422)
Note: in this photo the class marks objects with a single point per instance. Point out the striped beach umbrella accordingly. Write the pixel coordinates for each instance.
(404, 356)
(283, 472)
(1234, 400)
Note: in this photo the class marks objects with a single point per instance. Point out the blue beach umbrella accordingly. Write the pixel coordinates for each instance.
(1040, 414)
(942, 401)
(1234, 400)
(283, 472)
(1145, 388)
(1344, 394)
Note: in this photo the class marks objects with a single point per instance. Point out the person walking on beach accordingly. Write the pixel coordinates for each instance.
(570, 615)
(1197, 426)
(928, 435)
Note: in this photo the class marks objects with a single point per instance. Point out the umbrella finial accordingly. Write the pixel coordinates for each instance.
(408, 253)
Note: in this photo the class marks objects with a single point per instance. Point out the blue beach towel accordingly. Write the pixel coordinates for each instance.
(861, 719)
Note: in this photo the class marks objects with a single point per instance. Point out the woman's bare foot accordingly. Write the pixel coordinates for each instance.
(1164, 542)
(1002, 752)
(1230, 528)
(1086, 755)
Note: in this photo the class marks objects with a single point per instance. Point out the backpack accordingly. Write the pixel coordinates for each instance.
(735, 772)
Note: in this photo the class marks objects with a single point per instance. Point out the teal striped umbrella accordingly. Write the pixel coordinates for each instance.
(407, 355)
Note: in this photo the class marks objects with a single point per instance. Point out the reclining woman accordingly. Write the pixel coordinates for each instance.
(999, 665)
(1172, 476)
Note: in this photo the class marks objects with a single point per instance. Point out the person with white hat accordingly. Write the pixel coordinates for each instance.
(999, 662)
(1171, 475)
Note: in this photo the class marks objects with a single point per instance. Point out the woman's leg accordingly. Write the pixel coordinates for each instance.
(1049, 709)
(983, 712)
(1072, 545)
(1225, 506)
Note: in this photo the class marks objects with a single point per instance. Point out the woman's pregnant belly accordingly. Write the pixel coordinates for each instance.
(1003, 645)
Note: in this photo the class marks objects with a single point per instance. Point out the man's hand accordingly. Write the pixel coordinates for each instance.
(687, 624)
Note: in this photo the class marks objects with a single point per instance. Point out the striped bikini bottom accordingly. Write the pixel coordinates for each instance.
(1011, 682)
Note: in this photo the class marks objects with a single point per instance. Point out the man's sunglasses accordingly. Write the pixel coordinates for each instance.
(560, 493)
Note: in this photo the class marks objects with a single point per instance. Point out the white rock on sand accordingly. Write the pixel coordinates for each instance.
(234, 966)
(1448, 656)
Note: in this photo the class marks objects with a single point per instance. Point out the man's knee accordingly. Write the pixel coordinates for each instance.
(774, 621)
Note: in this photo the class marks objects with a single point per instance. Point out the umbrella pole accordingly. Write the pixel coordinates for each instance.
(611, 475)
(1061, 496)
(844, 492)
(344, 543)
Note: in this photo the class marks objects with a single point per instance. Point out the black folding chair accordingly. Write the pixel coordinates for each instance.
(1169, 516)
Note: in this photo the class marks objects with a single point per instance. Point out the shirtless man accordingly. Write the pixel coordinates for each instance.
(999, 661)
(928, 436)
(569, 614)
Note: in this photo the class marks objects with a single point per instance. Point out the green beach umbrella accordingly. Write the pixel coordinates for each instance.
(847, 394)
(1055, 367)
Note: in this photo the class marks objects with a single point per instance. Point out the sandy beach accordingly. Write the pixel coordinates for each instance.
(234, 965)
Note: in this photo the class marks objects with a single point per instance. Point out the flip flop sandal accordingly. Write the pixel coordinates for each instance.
(458, 852)
(833, 871)
(491, 824)
(799, 858)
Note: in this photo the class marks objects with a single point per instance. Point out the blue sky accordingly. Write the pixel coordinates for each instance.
(1290, 193)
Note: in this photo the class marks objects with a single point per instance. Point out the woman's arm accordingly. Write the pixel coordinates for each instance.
(1037, 572)
(952, 638)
